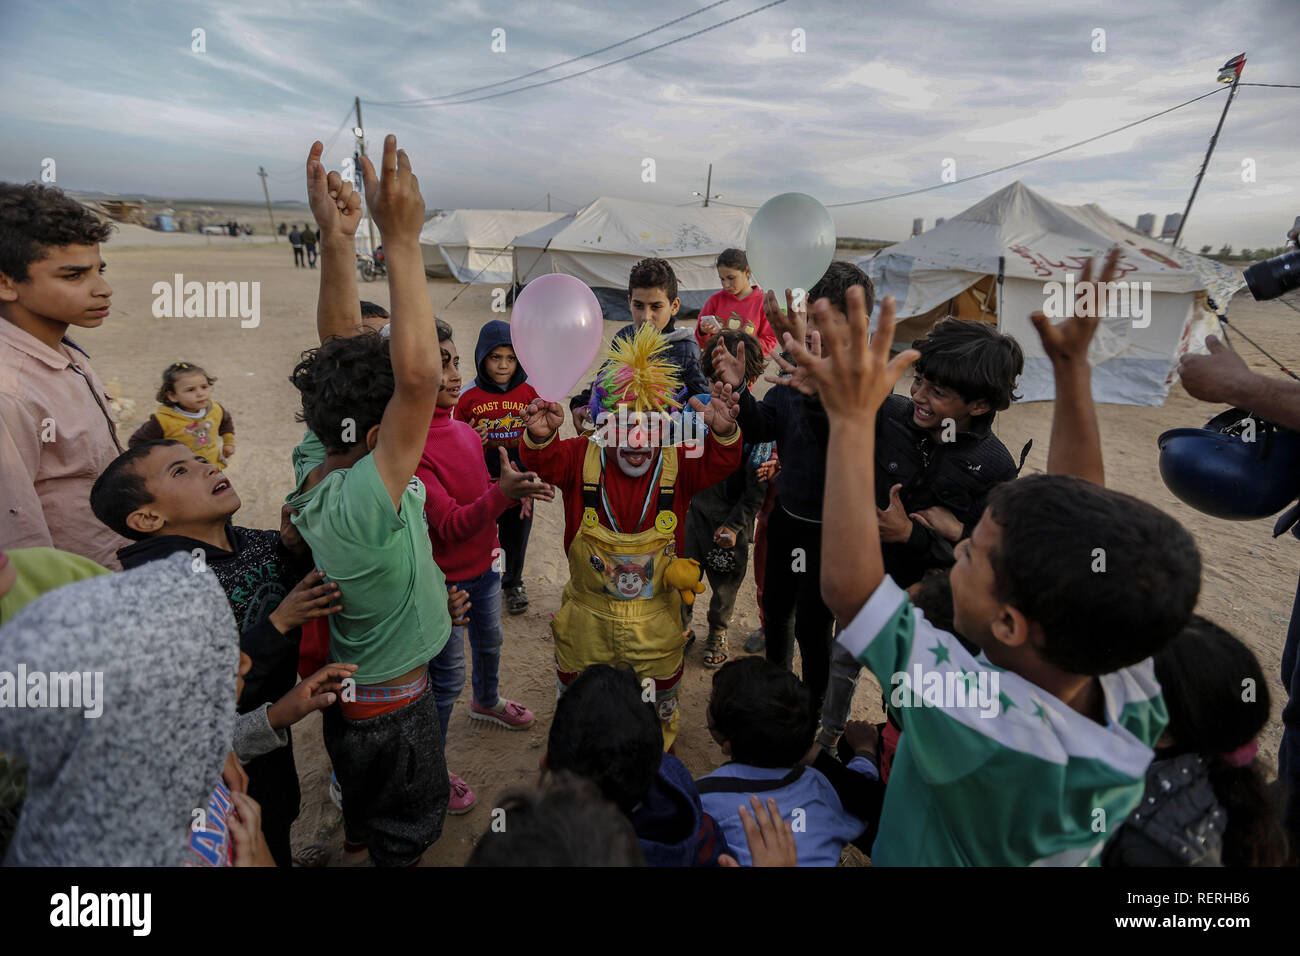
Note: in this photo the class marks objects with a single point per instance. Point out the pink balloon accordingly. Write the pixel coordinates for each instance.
(555, 329)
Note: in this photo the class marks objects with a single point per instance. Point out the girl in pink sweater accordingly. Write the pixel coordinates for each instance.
(461, 505)
(738, 307)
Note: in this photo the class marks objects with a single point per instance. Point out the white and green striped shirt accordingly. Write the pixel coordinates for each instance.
(1028, 781)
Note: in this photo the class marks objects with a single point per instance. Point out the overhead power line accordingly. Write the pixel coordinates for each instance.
(570, 76)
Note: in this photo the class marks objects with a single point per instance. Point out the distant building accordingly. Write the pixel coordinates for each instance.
(1146, 223)
(918, 226)
(939, 222)
(1172, 222)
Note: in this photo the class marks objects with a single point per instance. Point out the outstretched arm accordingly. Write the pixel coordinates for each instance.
(1075, 445)
(854, 376)
(398, 210)
(337, 208)
(1223, 376)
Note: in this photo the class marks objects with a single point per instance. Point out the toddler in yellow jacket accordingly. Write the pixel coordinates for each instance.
(186, 413)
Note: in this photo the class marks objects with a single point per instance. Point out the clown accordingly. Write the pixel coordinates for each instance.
(626, 493)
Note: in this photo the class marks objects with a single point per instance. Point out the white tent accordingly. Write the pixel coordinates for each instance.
(604, 240)
(954, 268)
(474, 244)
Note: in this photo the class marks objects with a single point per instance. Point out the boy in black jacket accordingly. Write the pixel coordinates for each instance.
(167, 499)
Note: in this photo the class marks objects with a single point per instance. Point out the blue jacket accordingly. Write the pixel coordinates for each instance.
(671, 823)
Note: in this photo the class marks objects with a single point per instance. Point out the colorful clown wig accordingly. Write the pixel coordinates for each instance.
(637, 375)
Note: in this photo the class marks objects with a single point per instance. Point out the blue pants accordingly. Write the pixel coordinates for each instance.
(447, 670)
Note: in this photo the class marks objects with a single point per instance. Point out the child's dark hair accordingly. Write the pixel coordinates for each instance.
(444, 330)
(345, 379)
(733, 259)
(605, 732)
(653, 274)
(1110, 579)
(121, 490)
(373, 310)
(565, 822)
(835, 284)
(973, 358)
(35, 218)
(1204, 673)
(174, 371)
(764, 711)
(754, 360)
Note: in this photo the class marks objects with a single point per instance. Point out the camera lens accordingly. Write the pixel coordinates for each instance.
(1274, 277)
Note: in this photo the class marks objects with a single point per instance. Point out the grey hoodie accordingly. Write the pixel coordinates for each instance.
(119, 789)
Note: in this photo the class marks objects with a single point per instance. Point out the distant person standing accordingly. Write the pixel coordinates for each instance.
(309, 236)
(295, 240)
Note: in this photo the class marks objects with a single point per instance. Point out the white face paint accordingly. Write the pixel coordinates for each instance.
(641, 460)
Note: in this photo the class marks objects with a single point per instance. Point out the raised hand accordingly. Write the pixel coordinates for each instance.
(720, 413)
(543, 419)
(334, 203)
(793, 321)
(1220, 376)
(1068, 341)
(394, 196)
(795, 376)
(854, 374)
(729, 368)
(895, 525)
(307, 600)
(516, 484)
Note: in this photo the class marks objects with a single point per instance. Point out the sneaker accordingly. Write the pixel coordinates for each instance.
(336, 792)
(462, 797)
(507, 713)
(756, 643)
(516, 600)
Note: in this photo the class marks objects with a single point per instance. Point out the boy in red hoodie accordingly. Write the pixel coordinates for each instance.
(462, 505)
(493, 406)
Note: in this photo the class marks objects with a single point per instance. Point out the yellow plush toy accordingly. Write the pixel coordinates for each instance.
(685, 575)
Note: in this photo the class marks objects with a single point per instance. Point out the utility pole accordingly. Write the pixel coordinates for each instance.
(548, 202)
(262, 172)
(708, 186)
(1233, 66)
(360, 132)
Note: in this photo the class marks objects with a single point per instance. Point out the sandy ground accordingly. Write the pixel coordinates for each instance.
(1248, 585)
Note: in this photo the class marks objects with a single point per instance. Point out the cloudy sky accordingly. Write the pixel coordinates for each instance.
(881, 96)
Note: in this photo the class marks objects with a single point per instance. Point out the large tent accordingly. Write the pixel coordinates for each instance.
(954, 270)
(603, 241)
(473, 245)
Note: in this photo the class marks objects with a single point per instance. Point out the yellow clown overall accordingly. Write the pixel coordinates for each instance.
(617, 606)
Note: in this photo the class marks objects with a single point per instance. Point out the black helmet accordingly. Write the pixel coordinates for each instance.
(1237, 467)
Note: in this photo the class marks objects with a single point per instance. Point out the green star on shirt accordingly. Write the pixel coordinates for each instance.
(1006, 702)
(1040, 713)
(940, 653)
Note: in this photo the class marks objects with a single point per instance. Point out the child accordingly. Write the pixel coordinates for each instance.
(493, 405)
(625, 503)
(1206, 801)
(937, 451)
(167, 498)
(56, 430)
(461, 505)
(187, 413)
(793, 418)
(1067, 729)
(367, 402)
(605, 732)
(721, 520)
(564, 822)
(760, 715)
(166, 681)
(738, 307)
(652, 297)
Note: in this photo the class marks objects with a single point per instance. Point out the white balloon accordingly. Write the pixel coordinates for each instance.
(791, 242)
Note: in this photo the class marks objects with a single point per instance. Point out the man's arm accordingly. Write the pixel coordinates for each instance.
(337, 208)
(22, 519)
(398, 211)
(1075, 444)
(1222, 376)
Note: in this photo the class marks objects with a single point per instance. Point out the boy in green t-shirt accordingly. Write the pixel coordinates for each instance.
(1032, 751)
(368, 401)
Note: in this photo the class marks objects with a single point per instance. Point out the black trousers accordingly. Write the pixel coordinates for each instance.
(725, 584)
(792, 600)
(512, 530)
(297, 256)
(273, 782)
